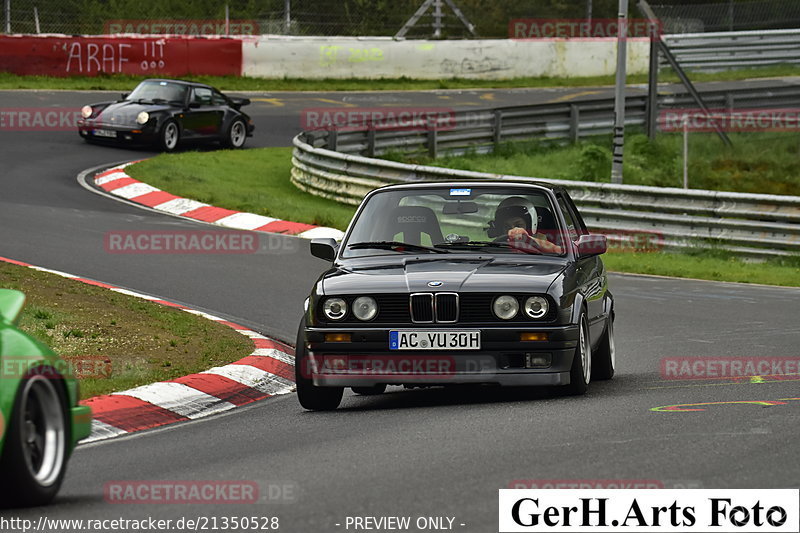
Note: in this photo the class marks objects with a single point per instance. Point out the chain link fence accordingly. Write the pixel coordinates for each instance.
(728, 15)
(287, 17)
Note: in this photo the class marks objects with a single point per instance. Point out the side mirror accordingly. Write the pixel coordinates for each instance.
(124, 95)
(194, 105)
(11, 304)
(589, 245)
(324, 248)
(236, 102)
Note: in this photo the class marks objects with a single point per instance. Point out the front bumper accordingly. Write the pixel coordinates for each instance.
(502, 360)
(81, 422)
(122, 134)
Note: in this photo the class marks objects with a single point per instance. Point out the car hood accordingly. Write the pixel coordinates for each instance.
(484, 274)
(124, 113)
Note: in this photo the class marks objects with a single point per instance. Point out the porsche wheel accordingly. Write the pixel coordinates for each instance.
(312, 397)
(237, 134)
(580, 373)
(605, 357)
(370, 391)
(169, 136)
(35, 458)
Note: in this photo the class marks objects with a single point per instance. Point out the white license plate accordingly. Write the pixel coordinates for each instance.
(435, 340)
(105, 133)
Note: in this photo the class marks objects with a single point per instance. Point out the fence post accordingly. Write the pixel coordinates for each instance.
(574, 123)
(433, 134)
(370, 140)
(729, 102)
(497, 128)
(652, 84)
(7, 9)
(333, 139)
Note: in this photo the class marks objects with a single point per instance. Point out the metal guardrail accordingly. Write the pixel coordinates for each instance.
(738, 49)
(341, 166)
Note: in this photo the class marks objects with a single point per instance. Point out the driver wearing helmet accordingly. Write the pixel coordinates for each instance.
(519, 224)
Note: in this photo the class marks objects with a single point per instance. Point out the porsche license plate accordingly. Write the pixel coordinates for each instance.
(105, 133)
(435, 340)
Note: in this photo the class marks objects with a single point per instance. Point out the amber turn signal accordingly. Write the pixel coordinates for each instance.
(337, 337)
(529, 336)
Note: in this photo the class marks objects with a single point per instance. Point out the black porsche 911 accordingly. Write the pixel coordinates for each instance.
(450, 283)
(166, 112)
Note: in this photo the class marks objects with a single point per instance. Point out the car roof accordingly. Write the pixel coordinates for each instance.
(180, 82)
(472, 183)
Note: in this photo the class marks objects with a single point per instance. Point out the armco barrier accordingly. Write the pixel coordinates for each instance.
(329, 164)
(61, 55)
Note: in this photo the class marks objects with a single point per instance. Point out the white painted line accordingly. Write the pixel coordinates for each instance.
(56, 272)
(134, 294)
(204, 315)
(275, 354)
(179, 398)
(252, 334)
(179, 206)
(254, 378)
(249, 221)
(133, 190)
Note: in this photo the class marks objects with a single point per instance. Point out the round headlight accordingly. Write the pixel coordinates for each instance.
(335, 308)
(505, 307)
(86, 111)
(536, 306)
(143, 117)
(365, 308)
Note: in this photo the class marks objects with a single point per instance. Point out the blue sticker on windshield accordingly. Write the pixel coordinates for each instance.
(460, 192)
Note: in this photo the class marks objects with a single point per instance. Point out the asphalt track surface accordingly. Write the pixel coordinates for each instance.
(408, 453)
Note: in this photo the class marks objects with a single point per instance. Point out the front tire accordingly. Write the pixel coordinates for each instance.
(169, 136)
(580, 373)
(312, 397)
(605, 357)
(35, 457)
(236, 134)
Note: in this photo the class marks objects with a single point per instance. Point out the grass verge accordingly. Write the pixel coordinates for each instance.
(119, 82)
(257, 181)
(756, 163)
(144, 341)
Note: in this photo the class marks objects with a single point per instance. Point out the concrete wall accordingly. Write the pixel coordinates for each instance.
(314, 57)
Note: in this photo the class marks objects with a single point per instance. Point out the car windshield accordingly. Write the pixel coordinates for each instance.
(470, 219)
(159, 91)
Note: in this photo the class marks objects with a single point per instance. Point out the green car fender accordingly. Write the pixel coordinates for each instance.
(19, 354)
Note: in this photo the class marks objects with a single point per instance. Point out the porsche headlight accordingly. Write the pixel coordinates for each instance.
(536, 306)
(505, 307)
(86, 111)
(335, 308)
(365, 308)
(143, 117)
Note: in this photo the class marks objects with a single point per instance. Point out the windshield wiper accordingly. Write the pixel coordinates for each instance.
(484, 244)
(391, 245)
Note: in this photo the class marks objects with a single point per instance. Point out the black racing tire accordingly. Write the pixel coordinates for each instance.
(580, 373)
(604, 359)
(36, 448)
(169, 136)
(370, 391)
(312, 397)
(236, 134)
